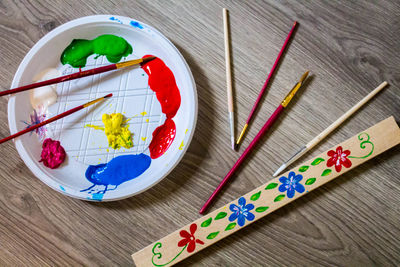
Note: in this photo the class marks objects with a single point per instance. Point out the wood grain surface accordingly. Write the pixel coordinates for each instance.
(350, 47)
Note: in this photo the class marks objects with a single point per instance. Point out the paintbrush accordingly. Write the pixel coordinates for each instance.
(78, 75)
(328, 130)
(253, 109)
(57, 117)
(258, 137)
(228, 76)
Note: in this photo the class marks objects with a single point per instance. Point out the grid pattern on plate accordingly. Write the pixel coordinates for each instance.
(131, 97)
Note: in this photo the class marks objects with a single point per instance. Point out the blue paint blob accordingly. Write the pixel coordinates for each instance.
(62, 188)
(136, 24)
(120, 169)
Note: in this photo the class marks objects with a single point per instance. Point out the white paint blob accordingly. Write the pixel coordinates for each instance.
(44, 96)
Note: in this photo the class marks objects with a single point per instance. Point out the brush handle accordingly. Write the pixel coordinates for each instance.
(344, 117)
(253, 109)
(253, 143)
(68, 77)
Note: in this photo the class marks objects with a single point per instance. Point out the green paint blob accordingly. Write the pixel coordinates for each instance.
(111, 46)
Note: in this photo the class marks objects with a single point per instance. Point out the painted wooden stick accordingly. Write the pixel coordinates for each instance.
(271, 196)
(328, 130)
(78, 75)
(228, 76)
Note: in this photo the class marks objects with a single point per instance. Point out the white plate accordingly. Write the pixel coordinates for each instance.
(132, 96)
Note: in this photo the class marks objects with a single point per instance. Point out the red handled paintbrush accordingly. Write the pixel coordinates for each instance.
(78, 75)
(57, 117)
(253, 143)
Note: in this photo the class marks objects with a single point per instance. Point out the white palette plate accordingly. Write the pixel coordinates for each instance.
(131, 96)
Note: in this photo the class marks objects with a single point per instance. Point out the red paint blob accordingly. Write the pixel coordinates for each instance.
(163, 137)
(53, 154)
(162, 82)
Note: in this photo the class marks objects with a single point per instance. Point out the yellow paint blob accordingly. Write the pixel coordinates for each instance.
(117, 135)
(147, 120)
(143, 113)
(144, 138)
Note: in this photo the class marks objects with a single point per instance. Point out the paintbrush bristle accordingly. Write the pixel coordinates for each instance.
(304, 76)
(147, 59)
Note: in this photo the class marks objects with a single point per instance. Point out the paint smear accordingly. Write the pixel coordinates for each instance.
(136, 24)
(119, 170)
(163, 136)
(111, 46)
(162, 82)
(117, 135)
(181, 146)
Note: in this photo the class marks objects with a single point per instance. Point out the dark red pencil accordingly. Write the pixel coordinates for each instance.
(260, 134)
(57, 117)
(78, 75)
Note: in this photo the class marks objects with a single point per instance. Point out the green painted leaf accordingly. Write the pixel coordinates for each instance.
(261, 209)
(279, 198)
(220, 215)
(326, 172)
(230, 226)
(317, 161)
(256, 196)
(206, 222)
(213, 235)
(310, 181)
(271, 186)
(303, 168)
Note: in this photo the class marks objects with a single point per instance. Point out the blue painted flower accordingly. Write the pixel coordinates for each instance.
(291, 184)
(241, 212)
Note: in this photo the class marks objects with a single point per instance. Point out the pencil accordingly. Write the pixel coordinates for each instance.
(328, 130)
(256, 139)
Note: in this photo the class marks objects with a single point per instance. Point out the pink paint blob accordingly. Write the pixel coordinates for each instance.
(53, 154)
(162, 82)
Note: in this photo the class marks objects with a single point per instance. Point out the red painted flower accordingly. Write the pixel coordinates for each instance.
(338, 158)
(188, 238)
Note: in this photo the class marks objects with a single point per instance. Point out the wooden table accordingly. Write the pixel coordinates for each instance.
(349, 48)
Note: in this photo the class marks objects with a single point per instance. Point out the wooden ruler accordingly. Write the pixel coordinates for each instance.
(276, 193)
